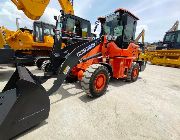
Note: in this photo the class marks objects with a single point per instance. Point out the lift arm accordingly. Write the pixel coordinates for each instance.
(34, 9)
(142, 34)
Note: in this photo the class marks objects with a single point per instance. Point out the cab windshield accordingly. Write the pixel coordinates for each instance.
(170, 37)
(113, 26)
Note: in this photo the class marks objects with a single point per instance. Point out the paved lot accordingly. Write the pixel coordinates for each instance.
(147, 109)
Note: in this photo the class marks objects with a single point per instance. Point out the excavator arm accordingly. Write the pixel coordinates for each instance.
(142, 34)
(34, 9)
(174, 27)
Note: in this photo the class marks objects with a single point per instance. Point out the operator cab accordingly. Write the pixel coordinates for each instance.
(72, 29)
(73, 26)
(42, 30)
(171, 41)
(119, 27)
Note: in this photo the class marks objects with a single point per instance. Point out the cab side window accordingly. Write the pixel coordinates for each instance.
(84, 30)
(70, 25)
(39, 37)
(129, 30)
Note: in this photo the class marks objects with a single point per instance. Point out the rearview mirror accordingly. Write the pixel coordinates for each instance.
(55, 17)
(96, 25)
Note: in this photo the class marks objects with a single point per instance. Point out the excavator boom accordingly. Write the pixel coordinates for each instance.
(174, 27)
(34, 9)
(142, 34)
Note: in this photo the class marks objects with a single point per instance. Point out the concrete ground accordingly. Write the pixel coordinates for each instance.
(148, 109)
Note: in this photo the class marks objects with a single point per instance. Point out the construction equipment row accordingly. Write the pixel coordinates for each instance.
(167, 53)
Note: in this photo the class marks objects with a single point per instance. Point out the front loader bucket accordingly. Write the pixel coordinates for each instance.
(23, 104)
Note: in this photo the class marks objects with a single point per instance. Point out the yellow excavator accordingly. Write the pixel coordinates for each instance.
(26, 43)
(39, 41)
(167, 53)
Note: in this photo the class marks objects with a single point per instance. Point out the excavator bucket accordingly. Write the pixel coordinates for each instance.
(23, 104)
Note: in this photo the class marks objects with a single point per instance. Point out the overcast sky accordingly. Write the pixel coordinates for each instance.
(156, 16)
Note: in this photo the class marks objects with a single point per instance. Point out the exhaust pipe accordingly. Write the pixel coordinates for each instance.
(23, 104)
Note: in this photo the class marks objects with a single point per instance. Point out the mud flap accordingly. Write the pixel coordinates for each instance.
(24, 103)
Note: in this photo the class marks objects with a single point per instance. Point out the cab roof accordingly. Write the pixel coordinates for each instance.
(126, 11)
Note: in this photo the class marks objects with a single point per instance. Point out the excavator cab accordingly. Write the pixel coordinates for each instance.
(43, 32)
(171, 41)
(119, 27)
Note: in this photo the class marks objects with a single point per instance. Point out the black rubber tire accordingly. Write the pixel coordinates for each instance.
(89, 76)
(71, 79)
(130, 77)
(45, 65)
(39, 63)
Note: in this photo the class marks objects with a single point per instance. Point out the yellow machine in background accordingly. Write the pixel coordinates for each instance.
(34, 9)
(163, 57)
(35, 42)
(168, 52)
(25, 39)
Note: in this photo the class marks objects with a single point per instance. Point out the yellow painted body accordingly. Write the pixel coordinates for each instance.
(34, 9)
(2, 40)
(162, 57)
(24, 40)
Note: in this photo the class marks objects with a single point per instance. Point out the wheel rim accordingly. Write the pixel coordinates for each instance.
(135, 72)
(100, 82)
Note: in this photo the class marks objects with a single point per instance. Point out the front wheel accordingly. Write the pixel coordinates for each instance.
(95, 80)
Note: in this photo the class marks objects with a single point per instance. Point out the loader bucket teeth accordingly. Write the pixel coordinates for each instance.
(23, 104)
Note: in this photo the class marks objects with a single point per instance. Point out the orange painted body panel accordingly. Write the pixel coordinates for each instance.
(113, 50)
(86, 64)
(120, 65)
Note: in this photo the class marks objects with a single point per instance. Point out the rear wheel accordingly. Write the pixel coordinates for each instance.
(95, 80)
(39, 62)
(133, 73)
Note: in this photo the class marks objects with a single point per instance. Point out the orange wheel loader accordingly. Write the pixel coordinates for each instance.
(116, 56)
